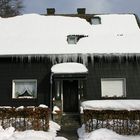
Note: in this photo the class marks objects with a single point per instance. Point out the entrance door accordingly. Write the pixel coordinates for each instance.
(70, 96)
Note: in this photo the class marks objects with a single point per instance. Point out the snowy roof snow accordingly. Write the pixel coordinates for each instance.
(38, 34)
(69, 68)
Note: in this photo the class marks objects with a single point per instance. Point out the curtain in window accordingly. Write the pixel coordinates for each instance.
(22, 87)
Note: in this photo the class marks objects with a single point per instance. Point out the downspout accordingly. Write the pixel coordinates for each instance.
(51, 90)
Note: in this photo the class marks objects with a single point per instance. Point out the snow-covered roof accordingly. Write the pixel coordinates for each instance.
(69, 68)
(38, 34)
(111, 105)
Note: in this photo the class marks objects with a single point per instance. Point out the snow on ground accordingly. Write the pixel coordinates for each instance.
(11, 134)
(103, 134)
(111, 105)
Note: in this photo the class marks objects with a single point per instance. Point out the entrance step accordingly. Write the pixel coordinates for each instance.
(72, 120)
(68, 132)
(69, 125)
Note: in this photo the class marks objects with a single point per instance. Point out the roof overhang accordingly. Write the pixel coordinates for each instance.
(69, 68)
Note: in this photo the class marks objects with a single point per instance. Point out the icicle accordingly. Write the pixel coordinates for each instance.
(75, 58)
(29, 58)
(52, 58)
(83, 58)
(21, 59)
(92, 57)
(62, 58)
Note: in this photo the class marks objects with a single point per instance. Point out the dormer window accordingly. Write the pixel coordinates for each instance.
(73, 39)
(95, 20)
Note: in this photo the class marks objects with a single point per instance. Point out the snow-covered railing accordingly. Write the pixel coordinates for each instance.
(121, 116)
(25, 118)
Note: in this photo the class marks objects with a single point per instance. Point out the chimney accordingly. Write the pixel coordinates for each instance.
(81, 10)
(50, 11)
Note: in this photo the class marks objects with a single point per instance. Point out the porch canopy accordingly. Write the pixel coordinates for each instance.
(69, 68)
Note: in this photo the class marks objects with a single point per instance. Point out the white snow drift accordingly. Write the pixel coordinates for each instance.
(11, 134)
(111, 105)
(103, 134)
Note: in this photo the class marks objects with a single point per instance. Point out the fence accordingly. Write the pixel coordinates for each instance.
(122, 121)
(36, 118)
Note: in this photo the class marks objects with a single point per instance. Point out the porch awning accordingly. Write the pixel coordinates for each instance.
(68, 68)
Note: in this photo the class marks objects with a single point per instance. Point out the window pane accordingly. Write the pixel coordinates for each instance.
(95, 21)
(24, 88)
(72, 39)
(113, 87)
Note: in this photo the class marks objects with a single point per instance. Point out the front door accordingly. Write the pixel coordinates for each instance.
(70, 96)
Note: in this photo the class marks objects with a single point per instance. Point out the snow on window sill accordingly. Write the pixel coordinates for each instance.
(25, 97)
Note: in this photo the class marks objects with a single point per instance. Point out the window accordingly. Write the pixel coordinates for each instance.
(73, 39)
(113, 87)
(24, 89)
(95, 20)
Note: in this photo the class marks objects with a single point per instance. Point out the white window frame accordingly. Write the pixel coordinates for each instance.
(114, 79)
(23, 80)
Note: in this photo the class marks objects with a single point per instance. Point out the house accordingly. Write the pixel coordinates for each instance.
(61, 60)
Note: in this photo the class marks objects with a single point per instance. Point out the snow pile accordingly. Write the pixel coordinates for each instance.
(103, 134)
(11, 134)
(31, 134)
(5, 107)
(53, 127)
(7, 133)
(35, 135)
(56, 109)
(37, 34)
(111, 105)
(69, 68)
(20, 107)
(43, 106)
(120, 24)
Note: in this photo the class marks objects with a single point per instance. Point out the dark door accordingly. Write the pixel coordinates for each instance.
(70, 96)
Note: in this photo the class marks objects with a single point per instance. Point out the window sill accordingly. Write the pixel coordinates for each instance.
(24, 98)
(114, 98)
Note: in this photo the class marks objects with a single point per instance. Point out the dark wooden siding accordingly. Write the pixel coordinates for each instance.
(10, 70)
(130, 71)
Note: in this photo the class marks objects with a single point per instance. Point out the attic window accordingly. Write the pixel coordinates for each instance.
(95, 20)
(73, 39)
(24, 89)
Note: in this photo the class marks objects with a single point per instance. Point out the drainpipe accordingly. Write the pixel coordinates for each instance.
(51, 82)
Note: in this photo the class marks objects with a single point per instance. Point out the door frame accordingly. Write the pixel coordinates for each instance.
(60, 78)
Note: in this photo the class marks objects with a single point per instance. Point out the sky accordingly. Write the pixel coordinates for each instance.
(92, 6)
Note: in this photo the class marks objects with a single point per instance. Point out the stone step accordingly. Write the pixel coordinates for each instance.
(68, 132)
(71, 120)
